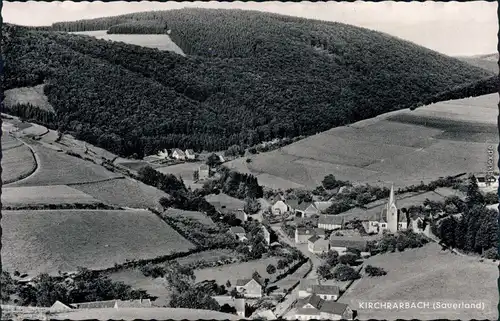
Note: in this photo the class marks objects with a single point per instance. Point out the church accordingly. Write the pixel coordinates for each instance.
(390, 219)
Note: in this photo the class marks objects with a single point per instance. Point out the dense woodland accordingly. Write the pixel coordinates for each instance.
(248, 77)
(471, 226)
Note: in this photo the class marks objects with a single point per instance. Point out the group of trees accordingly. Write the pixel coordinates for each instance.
(238, 185)
(339, 267)
(474, 229)
(28, 112)
(254, 80)
(401, 241)
(85, 286)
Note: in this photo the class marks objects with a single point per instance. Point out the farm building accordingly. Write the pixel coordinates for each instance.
(296, 207)
(58, 306)
(190, 154)
(325, 292)
(115, 304)
(303, 234)
(316, 208)
(238, 304)
(330, 222)
(250, 288)
(318, 245)
(341, 243)
(239, 232)
(203, 172)
(314, 307)
(305, 287)
(178, 154)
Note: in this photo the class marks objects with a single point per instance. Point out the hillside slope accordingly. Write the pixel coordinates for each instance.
(248, 77)
(488, 62)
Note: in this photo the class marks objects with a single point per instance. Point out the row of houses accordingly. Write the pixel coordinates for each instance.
(178, 154)
(318, 244)
(305, 209)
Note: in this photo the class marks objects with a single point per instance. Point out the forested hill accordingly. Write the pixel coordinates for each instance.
(248, 77)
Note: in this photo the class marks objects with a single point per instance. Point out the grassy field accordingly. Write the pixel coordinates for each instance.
(199, 216)
(233, 272)
(184, 170)
(431, 275)
(28, 95)
(123, 192)
(57, 168)
(161, 42)
(48, 241)
(9, 142)
(17, 163)
(146, 314)
(404, 147)
(37, 195)
(223, 200)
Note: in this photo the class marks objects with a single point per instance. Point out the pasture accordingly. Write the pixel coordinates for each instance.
(184, 170)
(403, 147)
(49, 241)
(123, 192)
(160, 42)
(17, 163)
(9, 142)
(38, 195)
(224, 201)
(198, 216)
(431, 275)
(233, 272)
(28, 95)
(58, 168)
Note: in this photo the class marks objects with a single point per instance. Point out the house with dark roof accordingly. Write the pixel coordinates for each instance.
(317, 208)
(330, 222)
(314, 307)
(239, 232)
(238, 304)
(390, 218)
(250, 288)
(303, 234)
(318, 245)
(298, 207)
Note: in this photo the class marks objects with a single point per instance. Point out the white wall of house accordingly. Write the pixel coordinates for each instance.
(340, 250)
(330, 226)
(329, 297)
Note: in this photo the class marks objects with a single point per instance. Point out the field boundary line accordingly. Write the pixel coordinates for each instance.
(36, 167)
(96, 181)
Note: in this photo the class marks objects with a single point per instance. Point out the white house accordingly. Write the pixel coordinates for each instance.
(325, 292)
(279, 208)
(250, 288)
(241, 215)
(330, 222)
(318, 245)
(190, 154)
(178, 154)
(203, 172)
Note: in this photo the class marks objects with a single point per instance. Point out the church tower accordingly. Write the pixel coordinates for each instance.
(392, 212)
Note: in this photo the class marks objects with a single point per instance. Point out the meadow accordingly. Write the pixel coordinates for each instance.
(403, 147)
(28, 95)
(160, 42)
(37, 195)
(431, 275)
(58, 168)
(199, 216)
(49, 241)
(17, 163)
(123, 192)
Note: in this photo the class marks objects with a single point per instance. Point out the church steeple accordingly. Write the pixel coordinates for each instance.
(392, 198)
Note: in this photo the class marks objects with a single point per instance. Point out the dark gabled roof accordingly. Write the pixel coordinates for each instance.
(302, 206)
(305, 231)
(326, 289)
(333, 307)
(313, 300)
(354, 242)
(319, 231)
(308, 311)
(314, 238)
(331, 219)
(243, 282)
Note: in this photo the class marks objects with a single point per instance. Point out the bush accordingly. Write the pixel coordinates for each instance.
(348, 259)
(374, 271)
(491, 253)
(345, 273)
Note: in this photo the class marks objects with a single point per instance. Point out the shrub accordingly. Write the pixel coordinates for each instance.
(374, 271)
(345, 273)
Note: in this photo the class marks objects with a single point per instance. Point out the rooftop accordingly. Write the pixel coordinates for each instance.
(238, 230)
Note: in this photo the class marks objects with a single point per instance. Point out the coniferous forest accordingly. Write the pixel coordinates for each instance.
(248, 77)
